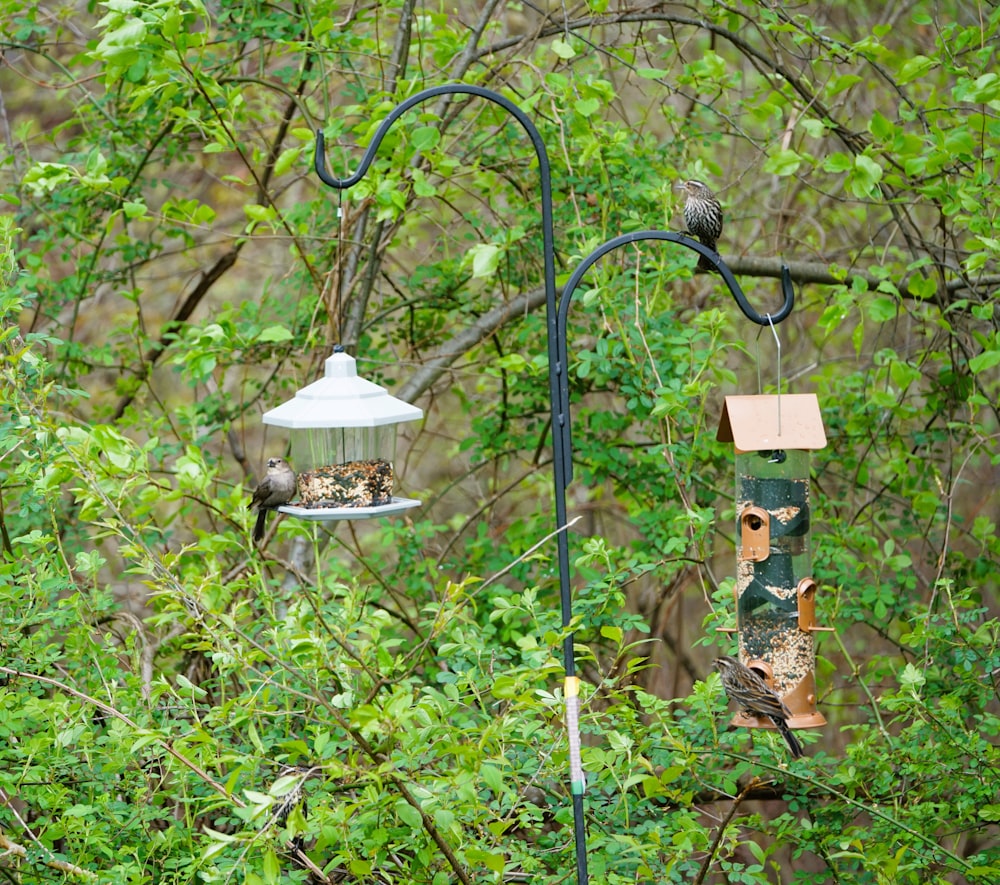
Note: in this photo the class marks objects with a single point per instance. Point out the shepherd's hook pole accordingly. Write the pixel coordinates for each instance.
(562, 459)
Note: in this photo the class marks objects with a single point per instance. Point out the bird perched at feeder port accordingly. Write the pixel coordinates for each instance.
(276, 488)
(702, 215)
(756, 698)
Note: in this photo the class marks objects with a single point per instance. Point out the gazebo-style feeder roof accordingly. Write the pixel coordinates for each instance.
(343, 435)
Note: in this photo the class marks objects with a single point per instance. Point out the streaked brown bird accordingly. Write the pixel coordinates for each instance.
(755, 697)
(276, 488)
(702, 214)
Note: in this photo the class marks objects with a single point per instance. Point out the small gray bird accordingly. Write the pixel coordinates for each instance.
(275, 489)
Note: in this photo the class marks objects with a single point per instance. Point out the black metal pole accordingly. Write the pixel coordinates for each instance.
(562, 458)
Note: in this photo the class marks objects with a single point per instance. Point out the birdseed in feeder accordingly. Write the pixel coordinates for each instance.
(354, 484)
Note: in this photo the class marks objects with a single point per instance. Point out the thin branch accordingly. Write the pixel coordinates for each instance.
(721, 831)
(818, 272)
(208, 279)
(421, 380)
(63, 866)
(802, 272)
(856, 673)
(468, 56)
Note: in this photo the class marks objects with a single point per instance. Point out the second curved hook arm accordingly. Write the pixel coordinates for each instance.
(562, 418)
(788, 293)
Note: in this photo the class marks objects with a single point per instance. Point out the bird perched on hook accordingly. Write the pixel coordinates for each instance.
(756, 698)
(702, 215)
(276, 488)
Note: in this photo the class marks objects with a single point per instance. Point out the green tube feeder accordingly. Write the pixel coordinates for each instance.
(775, 591)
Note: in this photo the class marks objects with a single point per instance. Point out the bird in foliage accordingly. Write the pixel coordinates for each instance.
(702, 215)
(756, 698)
(276, 488)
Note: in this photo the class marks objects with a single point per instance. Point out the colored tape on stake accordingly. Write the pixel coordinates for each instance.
(571, 690)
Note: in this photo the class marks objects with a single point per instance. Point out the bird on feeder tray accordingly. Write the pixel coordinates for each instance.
(702, 215)
(276, 488)
(756, 698)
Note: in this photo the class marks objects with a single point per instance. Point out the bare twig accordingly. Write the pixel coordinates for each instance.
(529, 551)
(721, 831)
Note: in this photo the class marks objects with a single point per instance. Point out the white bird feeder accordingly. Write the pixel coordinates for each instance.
(343, 441)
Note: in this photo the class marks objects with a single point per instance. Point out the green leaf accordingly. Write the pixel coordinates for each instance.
(144, 740)
(915, 67)
(255, 739)
(838, 162)
(612, 632)
(710, 65)
(491, 860)
(409, 815)
(422, 187)
(982, 90)
(842, 82)
(785, 162)
(813, 127)
(990, 813)
(122, 40)
(485, 259)
(912, 677)
(882, 309)
(561, 48)
(858, 338)
(272, 866)
(864, 181)
(425, 138)
(286, 160)
(273, 334)
(881, 127)
(189, 686)
(985, 360)
(903, 374)
(257, 213)
(492, 778)
(134, 210)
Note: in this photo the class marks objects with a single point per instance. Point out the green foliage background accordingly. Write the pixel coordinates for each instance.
(382, 703)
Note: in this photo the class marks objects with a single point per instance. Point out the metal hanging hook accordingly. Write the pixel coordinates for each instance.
(777, 344)
(562, 460)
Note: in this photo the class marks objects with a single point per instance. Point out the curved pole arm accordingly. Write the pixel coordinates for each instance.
(562, 417)
(711, 256)
(402, 108)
